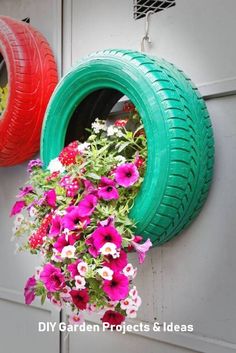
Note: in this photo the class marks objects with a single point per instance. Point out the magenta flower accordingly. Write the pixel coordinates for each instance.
(118, 263)
(63, 241)
(73, 218)
(25, 191)
(142, 249)
(107, 222)
(117, 288)
(50, 198)
(87, 205)
(29, 290)
(106, 182)
(92, 249)
(107, 190)
(113, 318)
(72, 268)
(107, 234)
(89, 187)
(80, 298)
(17, 207)
(56, 227)
(35, 163)
(52, 278)
(126, 174)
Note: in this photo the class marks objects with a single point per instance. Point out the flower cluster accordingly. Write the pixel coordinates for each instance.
(75, 214)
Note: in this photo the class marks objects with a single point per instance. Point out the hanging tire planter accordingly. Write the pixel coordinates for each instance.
(29, 69)
(177, 125)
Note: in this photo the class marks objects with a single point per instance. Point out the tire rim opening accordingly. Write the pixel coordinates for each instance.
(3, 84)
(97, 104)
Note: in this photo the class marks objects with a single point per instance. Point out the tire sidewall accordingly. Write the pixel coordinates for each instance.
(94, 74)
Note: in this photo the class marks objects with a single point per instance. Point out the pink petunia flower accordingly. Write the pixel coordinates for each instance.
(106, 182)
(108, 193)
(25, 191)
(113, 318)
(80, 298)
(126, 174)
(29, 290)
(65, 294)
(64, 241)
(89, 187)
(17, 207)
(92, 249)
(117, 288)
(117, 264)
(107, 234)
(52, 277)
(142, 249)
(73, 218)
(87, 205)
(50, 198)
(73, 268)
(56, 226)
(76, 319)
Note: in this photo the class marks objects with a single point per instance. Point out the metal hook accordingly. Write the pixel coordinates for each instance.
(146, 36)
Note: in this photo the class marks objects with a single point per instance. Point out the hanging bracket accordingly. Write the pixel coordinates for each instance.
(146, 37)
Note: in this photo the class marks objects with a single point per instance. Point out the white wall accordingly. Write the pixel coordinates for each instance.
(197, 36)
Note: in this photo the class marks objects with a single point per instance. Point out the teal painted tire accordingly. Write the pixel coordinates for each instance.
(177, 124)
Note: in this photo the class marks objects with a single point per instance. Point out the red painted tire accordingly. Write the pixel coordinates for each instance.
(32, 77)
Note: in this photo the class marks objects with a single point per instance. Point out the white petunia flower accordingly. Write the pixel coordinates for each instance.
(133, 292)
(105, 273)
(82, 268)
(108, 249)
(129, 270)
(137, 301)
(55, 166)
(68, 252)
(126, 304)
(38, 269)
(80, 282)
(131, 312)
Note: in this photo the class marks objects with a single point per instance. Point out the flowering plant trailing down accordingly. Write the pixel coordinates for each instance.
(75, 214)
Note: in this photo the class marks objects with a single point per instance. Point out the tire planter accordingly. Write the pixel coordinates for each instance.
(32, 77)
(178, 129)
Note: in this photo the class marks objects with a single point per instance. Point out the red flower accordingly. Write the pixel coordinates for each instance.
(68, 154)
(128, 107)
(121, 122)
(139, 162)
(113, 317)
(52, 176)
(36, 239)
(80, 298)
